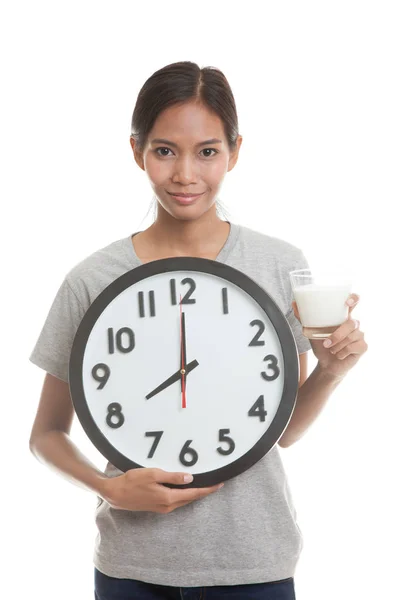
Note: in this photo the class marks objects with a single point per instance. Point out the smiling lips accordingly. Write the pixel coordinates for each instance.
(185, 198)
(185, 195)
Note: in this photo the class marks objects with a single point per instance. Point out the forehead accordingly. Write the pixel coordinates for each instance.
(187, 122)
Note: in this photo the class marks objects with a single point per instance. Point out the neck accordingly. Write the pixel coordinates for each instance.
(187, 237)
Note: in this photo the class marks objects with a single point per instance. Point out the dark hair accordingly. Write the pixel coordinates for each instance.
(179, 83)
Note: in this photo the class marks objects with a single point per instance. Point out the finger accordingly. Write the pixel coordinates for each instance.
(341, 333)
(352, 301)
(162, 476)
(352, 337)
(354, 348)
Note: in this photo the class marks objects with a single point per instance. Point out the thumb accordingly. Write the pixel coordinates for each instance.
(171, 477)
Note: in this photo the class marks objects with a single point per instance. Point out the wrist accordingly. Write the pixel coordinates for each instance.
(102, 486)
(327, 374)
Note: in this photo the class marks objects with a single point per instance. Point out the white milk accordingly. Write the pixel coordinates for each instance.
(322, 305)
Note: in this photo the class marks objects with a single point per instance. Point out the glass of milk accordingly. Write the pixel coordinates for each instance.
(321, 300)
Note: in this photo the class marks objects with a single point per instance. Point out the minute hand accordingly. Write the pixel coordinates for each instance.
(175, 377)
(183, 357)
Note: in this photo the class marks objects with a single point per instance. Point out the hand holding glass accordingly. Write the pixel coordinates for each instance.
(321, 300)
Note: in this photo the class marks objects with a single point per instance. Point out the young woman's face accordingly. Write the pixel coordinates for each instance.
(181, 163)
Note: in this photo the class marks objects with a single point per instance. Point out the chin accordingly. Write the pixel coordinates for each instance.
(187, 213)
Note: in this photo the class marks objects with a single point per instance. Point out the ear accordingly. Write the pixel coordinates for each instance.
(235, 153)
(138, 156)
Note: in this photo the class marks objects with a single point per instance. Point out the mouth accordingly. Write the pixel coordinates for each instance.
(185, 198)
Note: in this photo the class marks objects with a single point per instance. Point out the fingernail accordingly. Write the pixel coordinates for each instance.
(327, 343)
(350, 301)
(220, 486)
(188, 478)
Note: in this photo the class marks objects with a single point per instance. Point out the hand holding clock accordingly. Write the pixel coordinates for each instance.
(143, 490)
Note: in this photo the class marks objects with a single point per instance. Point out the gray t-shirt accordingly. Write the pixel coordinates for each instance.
(244, 533)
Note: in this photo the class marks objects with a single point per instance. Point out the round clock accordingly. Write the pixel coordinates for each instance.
(184, 364)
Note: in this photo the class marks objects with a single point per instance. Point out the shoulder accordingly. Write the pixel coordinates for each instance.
(268, 260)
(102, 257)
(97, 270)
(270, 246)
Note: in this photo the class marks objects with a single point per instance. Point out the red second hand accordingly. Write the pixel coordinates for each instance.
(183, 366)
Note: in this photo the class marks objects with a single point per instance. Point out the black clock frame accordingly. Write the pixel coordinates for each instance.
(267, 304)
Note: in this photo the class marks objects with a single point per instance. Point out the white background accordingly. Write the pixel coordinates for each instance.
(317, 92)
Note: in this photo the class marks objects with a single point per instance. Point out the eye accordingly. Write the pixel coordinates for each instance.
(161, 148)
(212, 150)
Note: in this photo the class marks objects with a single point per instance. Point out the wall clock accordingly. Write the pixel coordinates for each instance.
(185, 364)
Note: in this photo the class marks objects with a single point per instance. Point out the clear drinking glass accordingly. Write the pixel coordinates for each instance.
(321, 300)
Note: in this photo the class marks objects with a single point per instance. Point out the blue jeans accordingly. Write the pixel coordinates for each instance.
(111, 588)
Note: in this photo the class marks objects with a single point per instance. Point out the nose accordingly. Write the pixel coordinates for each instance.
(184, 171)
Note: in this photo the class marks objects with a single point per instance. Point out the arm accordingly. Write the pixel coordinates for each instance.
(50, 442)
(136, 490)
(347, 345)
(312, 396)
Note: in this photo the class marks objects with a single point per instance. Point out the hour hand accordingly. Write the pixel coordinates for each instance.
(175, 377)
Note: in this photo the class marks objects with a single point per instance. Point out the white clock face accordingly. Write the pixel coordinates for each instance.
(235, 372)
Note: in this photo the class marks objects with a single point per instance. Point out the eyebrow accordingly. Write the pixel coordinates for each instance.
(163, 141)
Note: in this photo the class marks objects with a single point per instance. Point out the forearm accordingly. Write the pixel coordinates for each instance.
(56, 450)
(311, 399)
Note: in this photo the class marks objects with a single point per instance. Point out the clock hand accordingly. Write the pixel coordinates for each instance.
(183, 356)
(175, 377)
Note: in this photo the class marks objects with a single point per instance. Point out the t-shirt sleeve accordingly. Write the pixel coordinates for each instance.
(53, 347)
(303, 343)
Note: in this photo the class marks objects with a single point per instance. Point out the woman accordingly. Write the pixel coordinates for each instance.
(241, 540)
